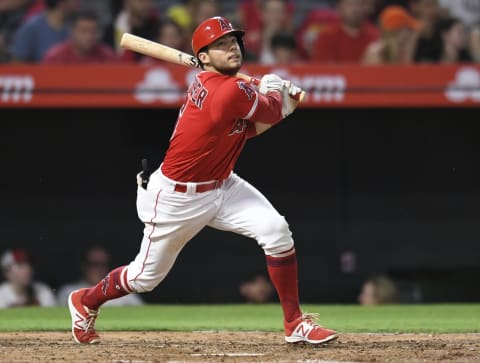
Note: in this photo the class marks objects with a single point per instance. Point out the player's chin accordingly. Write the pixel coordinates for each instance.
(231, 69)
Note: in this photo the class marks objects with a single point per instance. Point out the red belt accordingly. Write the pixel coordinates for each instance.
(199, 188)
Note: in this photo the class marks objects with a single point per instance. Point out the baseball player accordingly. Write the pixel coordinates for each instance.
(195, 186)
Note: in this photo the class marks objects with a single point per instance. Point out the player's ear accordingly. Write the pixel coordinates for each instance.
(203, 57)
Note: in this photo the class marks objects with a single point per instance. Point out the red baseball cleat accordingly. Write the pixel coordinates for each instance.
(305, 329)
(83, 319)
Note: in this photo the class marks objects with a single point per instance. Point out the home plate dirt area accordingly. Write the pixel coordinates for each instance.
(237, 347)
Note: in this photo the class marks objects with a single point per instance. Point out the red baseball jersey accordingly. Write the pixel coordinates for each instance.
(213, 125)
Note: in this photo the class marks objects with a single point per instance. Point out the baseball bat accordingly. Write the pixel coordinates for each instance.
(160, 51)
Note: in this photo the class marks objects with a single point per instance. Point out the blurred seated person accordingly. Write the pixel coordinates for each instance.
(171, 34)
(204, 9)
(283, 49)
(474, 43)
(377, 290)
(13, 13)
(191, 13)
(139, 17)
(428, 12)
(260, 21)
(399, 33)
(95, 265)
(20, 288)
(345, 41)
(84, 45)
(257, 290)
(49, 27)
(452, 37)
(467, 11)
(181, 14)
(314, 23)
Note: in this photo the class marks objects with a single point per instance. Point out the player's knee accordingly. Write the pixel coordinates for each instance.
(143, 284)
(278, 237)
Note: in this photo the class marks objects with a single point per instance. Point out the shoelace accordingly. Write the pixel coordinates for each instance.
(92, 316)
(311, 318)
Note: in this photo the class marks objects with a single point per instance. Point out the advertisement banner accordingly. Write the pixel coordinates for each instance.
(164, 86)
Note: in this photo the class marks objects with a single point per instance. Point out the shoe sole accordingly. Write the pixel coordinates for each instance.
(303, 339)
(73, 311)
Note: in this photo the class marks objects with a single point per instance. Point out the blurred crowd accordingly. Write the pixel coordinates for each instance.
(19, 284)
(277, 31)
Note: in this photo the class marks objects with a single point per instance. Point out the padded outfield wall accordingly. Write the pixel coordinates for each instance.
(365, 190)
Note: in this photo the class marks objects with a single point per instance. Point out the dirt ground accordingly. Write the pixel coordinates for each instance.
(123, 347)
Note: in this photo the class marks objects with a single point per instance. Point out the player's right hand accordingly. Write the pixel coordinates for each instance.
(271, 82)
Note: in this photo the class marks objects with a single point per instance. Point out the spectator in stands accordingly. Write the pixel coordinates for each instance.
(138, 17)
(42, 31)
(474, 42)
(102, 8)
(467, 11)
(20, 288)
(310, 28)
(346, 40)
(182, 14)
(428, 13)
(171, 34)
(84, 45)
(95, 265)
(13, 13)
(261, 20)
(451, 36)
(284, 49)
(204, 9)
(373, 8)
(399, 33)
(257, 290)
(377, 290)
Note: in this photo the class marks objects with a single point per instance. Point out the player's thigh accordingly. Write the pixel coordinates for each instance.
(174, 220)
(246, 211)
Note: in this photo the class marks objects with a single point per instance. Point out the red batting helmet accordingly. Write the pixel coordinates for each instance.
(210, 30)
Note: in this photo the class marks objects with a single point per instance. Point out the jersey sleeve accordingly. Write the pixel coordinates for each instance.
(241, 100)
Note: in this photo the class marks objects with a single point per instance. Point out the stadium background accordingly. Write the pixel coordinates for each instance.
(397, 189)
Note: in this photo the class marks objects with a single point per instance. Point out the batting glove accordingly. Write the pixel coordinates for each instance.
(289, 104)
(270, 82)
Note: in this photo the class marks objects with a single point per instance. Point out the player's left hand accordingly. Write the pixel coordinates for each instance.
(289, 104)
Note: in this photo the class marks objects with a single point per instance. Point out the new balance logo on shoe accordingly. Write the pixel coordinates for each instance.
(305, 329)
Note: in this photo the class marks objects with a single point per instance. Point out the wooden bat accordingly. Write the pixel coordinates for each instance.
(157, 50)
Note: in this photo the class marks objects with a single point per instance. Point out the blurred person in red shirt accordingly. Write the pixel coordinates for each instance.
(399, 33)
(314, 23)
(261, 19)
(171, 34)
(346, 40)
(84, 45)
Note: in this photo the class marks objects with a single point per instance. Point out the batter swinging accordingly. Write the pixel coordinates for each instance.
(195, 186)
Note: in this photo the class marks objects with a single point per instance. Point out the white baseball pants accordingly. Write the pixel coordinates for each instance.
(173, 218)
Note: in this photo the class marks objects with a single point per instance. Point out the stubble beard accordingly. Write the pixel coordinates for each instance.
(226, 69)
